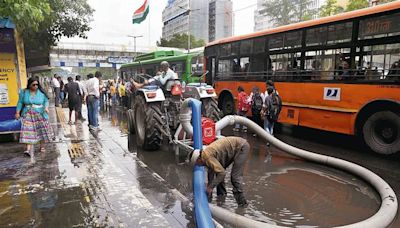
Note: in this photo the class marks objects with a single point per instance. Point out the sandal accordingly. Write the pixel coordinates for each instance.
(26, 153)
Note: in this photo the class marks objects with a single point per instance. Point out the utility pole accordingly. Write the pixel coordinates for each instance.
(188, 11)
(134, 42)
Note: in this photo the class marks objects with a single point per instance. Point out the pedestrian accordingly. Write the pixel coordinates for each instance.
(243, 107)
(62, 92)
(73, 93)
(93, 96)
(56, 88)
(217, 157)
(122, 94)
(82, 98)
(113, 94)
(33, 110)
(271, 110)
(256, 100)
(270, 83)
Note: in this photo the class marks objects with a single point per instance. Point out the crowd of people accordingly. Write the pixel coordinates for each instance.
(265, 107)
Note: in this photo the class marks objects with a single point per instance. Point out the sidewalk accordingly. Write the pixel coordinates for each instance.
(85, 180)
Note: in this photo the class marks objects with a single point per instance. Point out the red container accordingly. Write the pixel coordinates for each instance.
(208, 130)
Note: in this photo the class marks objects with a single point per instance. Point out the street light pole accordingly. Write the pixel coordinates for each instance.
(189, 28)
(134, 42)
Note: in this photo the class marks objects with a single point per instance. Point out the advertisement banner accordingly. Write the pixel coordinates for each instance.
(8, 81)
(7, 43)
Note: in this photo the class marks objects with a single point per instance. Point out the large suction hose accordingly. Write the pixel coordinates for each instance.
(201, 209)
(382, 218)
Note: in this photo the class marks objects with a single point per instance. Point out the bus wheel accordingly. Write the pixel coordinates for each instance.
(210, 109)
(382, 132)
(227, 106)
(131, 123)
(148, 122)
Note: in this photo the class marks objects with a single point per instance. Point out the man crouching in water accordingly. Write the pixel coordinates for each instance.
(217, 157)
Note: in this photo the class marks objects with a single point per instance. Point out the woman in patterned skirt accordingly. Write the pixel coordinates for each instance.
(35, 128)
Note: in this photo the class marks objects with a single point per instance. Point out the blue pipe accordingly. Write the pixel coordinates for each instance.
(201, 208)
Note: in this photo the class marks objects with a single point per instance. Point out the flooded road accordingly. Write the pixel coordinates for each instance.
(282, 189)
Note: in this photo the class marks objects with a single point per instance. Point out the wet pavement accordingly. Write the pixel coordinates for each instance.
(105, 180)
(85, 180)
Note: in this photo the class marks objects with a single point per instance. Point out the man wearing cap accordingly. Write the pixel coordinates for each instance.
(218, 156)
(166, 74)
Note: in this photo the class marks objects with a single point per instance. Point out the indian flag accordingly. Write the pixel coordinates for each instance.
(140, 14)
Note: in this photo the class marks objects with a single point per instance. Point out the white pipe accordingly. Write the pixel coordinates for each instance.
(185, 116)
(383, 218)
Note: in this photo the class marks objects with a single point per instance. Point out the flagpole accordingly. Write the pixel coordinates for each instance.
(149, 27)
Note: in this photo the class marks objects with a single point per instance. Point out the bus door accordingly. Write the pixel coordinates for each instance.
(211, 71)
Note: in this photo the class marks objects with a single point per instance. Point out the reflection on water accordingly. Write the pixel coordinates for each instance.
(280, 189)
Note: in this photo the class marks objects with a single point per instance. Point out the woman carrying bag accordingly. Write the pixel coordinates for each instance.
(33, 109)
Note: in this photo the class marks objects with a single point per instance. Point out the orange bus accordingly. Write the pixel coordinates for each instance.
(339, 73)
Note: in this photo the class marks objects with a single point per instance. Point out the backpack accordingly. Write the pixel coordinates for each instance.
(256, 103)
(274, 108)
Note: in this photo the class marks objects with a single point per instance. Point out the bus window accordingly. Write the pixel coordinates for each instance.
(340, 33)
(382, 26)
(224, 68)
(235, 48)
(244, 64)
(258, 63)
(259, 45)
(177, 67)
(380, 60)
(316, 36)
(197, 65)
(292, 39)
(275, 42)
(285, 66)
(225, 50)
(246, 47)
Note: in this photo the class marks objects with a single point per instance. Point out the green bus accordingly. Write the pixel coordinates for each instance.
(189, 66)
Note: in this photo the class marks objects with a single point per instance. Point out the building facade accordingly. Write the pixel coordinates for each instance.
(220, 19)
(262, 21)
(177, 19)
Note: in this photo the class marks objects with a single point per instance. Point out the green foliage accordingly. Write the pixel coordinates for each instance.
(357, 4)
(283, 12)
(330, 8)
(181, 41)
(43, 22)
(26, 14)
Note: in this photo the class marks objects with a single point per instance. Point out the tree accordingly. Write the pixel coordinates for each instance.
(330, 8)
(26, 14)
(43, 22)
(181, 41)
(283, 12)
(357, 4)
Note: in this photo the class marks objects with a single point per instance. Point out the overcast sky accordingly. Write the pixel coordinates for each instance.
(112, 21)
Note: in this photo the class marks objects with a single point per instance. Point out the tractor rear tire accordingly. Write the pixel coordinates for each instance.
(381, 132)
(228, 105)
(210, 109)
(148, 122)
(131, 121)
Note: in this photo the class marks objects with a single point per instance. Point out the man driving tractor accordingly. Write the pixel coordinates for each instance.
(166, 74)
